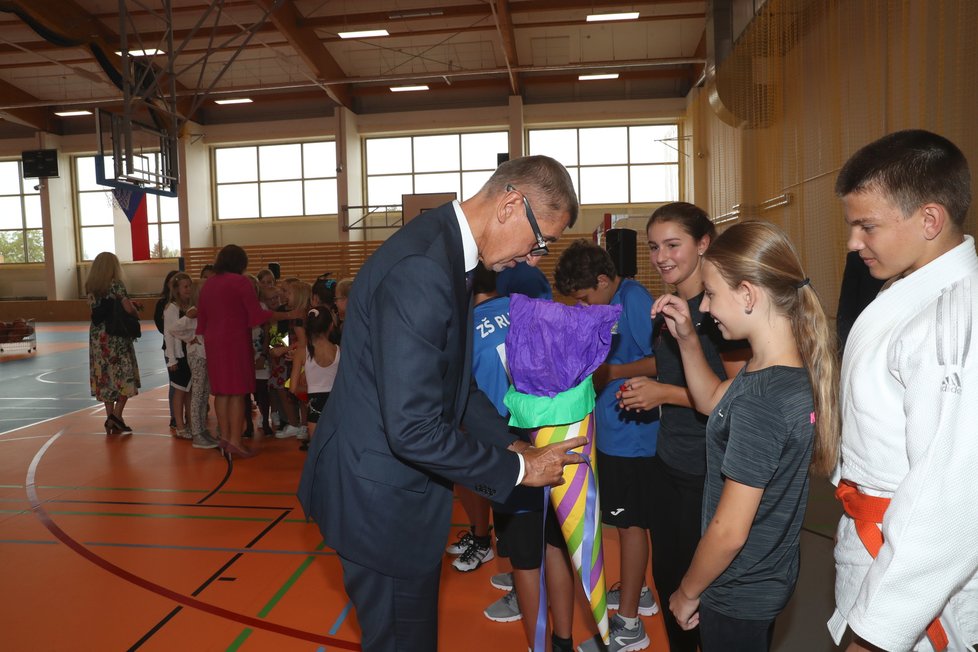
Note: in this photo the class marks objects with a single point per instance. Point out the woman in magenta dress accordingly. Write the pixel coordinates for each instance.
(228, 309)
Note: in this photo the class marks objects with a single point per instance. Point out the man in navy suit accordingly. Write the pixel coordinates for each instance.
(391, 444)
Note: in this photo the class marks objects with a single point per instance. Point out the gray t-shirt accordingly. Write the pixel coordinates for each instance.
(681, 442)
(761, 434)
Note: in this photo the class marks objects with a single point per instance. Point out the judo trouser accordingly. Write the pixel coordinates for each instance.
(395, 614)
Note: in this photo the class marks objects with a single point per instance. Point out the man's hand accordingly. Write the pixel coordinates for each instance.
(545, 466)
(519, 446)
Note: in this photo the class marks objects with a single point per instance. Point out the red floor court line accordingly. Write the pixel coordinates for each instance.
(83, 482)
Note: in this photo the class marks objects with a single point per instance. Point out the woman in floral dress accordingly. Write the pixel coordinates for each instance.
(114, 372)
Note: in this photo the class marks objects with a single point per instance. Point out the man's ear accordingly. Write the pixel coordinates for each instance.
(934, 220)
(603, 281)
(508, 206)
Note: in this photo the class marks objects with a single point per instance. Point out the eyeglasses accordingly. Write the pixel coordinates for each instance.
(541, 249)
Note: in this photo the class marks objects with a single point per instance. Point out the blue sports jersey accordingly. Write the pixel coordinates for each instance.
(620, 432)
(490, 320)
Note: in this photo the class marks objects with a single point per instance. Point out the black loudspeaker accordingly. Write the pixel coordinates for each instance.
(181, 264)
(622, 247)
(501, 158)
(275, 269)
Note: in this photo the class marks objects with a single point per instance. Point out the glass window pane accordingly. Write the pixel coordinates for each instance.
(604, 185)
(472, 182)
(282, 198)
(237, 201)
(154, 242)
(655, 183)
(169, 209)
(319, 160)
(388, 156)
(31, 186)
(560, 144)
(32, 211)
(479, 150)
(436, 153)
(387, 191)
(321, 197)
(152, 210)
(279, 162)
(95, 208)
(171, 240)
(35, 246)
(603, 145)
(11, 213)
(85, 172)
(10, 178)
(12, 247)
(645, 145)
(97, 239)
(236, 164)
(444, 182)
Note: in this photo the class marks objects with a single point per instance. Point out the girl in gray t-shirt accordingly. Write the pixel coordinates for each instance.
(762, 434)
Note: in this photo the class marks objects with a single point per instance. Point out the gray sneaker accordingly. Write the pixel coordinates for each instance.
(646, 603)
(201, 440)
(622, 639)
(502, 581)
(504, 610)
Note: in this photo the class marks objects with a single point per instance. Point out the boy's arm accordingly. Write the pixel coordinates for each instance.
(609, 372)
(931, 525)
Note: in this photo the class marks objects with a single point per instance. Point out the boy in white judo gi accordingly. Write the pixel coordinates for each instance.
(907, 548)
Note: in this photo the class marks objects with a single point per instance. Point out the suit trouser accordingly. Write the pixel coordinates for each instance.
(396, 614)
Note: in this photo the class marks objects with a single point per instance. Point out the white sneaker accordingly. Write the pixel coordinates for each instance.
(286, 433)
(473, 557)
(303, 434)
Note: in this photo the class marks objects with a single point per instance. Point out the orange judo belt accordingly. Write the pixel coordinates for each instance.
(867, 512)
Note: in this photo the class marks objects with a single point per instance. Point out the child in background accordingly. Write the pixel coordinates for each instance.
(279, 368)
(678, 236)
(762, 435)
(178, 369)
(161, 304)
(200, 386)
(297, 295)
(625, 440)
(322, 359)
(259, 342)
(343, 289)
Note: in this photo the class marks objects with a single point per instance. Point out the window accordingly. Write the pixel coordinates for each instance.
(286, 180)
(616, 165)
(21, 237)
(459, 163)
(97, 215)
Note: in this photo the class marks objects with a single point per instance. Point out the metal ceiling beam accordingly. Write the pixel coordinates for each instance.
(308, 45)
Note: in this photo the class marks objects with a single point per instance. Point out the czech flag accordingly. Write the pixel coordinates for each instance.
(133, 205)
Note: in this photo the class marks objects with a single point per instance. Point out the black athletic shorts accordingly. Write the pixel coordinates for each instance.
(520, 537)
(317, 403)
(625, 484)
(180, 377)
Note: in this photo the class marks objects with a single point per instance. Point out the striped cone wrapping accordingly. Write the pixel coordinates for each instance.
(579, 515)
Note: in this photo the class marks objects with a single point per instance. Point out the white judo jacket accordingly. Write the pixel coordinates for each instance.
(909, 403)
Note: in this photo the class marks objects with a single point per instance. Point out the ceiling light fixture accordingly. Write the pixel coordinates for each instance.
(235, 100)
(608, 75)
(628, 15)
(367, 33)
(69, 114)
(402, 89)
(152, 52)
(421, 13)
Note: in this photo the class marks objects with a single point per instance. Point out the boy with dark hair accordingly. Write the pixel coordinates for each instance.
(625, 440)
(905, 556)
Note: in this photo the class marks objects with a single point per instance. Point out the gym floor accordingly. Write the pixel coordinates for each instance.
(140, 541)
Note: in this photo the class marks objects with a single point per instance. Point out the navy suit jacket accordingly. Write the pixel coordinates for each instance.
(379, 476)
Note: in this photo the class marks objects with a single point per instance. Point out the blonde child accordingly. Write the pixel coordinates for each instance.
(200, 386)
(762, 434)
(321, 360)
(343, 289)
(297, 295)
(174, 332)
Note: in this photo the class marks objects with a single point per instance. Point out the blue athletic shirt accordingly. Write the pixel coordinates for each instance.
(490, 321)
(619, 432)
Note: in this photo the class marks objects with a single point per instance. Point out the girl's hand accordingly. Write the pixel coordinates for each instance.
(640, 393)
(685, 610)
(192, 312)
(278, 351)
(676, 314)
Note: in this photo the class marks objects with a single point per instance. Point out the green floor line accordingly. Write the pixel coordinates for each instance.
(274, 600)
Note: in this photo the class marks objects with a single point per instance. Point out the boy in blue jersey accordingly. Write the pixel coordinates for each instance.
(625, 440)
(520, 528)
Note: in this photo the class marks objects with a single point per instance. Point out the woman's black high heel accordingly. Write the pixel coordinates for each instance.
(119, 423)
(110, 427)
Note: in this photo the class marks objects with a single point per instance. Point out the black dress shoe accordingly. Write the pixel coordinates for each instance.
(120, 424)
